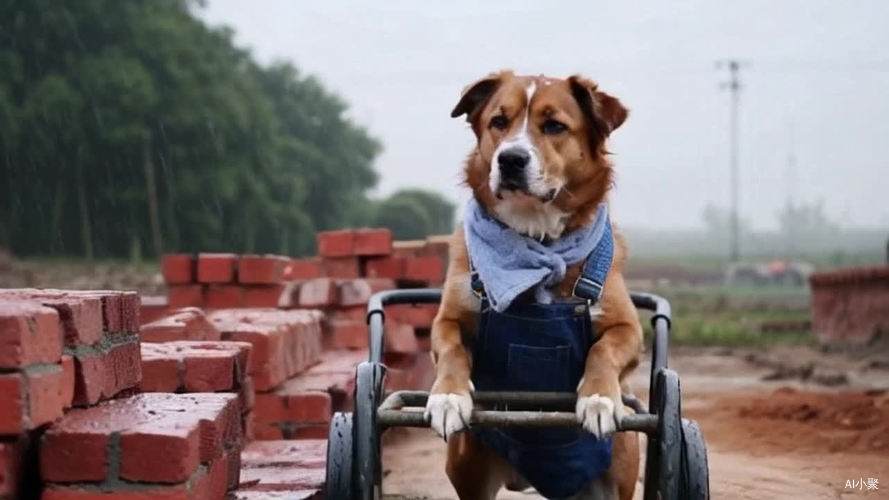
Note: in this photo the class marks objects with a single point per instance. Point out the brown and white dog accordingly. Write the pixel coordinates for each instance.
(540, 166)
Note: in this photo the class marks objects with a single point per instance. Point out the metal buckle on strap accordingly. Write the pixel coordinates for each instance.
(585, 288)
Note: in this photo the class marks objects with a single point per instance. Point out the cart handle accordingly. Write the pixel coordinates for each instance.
(391, 412)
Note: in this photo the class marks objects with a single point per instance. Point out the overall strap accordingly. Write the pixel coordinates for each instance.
(478, 288)
(591, 281)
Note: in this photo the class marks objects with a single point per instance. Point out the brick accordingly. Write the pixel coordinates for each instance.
(399, 337)
(267, 431)
(262, 269)
(335, 374)
(408, 248)
(152, 308)
(264, 296)
(294, 467)
(30, 399)
(284, 342)
(67, 382)
(163, 438)
(304, 269)
(336, 243)
(81, 319)
(286, 405)
(358, 292)
(194, 366)
(217, 267)
(148, 492)
(850, 305)
(352, 313)
(385, 267)
(29, 334)
(102, 372)
(223, 296)
(318, 292)
(409, 371)
(13, 458)
(130, 312)
(179, 296)
(419, 315)
(246, 394)
(189, 323)
(178, 268)
(341, 267)
(426, 268)
(373, 242)
(111, 309)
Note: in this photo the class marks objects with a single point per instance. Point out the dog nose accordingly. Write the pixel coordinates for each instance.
(513, 161)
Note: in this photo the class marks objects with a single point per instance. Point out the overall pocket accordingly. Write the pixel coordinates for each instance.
(532, 368)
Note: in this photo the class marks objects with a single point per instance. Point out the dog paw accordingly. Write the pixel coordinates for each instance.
(449, 413)
(598, 415)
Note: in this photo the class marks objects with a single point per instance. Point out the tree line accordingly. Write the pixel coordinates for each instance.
(132, 128)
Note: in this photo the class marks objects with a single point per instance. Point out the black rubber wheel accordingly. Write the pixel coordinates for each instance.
(666, 471)
(368, 460)
(340, 458)
(695, 473)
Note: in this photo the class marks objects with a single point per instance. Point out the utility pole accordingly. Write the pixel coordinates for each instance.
(734, 87)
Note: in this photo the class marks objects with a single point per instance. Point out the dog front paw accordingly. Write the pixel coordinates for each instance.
(448, 413)
(598, 415)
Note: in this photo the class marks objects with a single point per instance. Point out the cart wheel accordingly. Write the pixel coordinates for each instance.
(695, 474)
(664, 463)
(368, 466)
(340, 458)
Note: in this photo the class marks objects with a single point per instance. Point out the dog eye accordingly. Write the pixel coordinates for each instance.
(499, 122)
(553, 127)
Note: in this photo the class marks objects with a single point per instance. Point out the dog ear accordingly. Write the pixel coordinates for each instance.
(476, 95)
(603, 112)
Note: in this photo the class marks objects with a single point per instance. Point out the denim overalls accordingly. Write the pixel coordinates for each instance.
(543, 347)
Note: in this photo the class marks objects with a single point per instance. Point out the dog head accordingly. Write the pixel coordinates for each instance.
(540, 164)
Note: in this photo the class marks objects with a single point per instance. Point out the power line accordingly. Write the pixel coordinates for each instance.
(734, 87)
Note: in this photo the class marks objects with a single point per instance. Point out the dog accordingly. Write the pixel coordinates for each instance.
(540, 169)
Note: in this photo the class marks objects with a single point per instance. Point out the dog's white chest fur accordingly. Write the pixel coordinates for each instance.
(542, 222)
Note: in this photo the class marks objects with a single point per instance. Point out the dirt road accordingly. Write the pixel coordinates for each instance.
(790, 437)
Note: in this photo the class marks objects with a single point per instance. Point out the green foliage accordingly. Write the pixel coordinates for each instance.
(415, 213)
(131, 127)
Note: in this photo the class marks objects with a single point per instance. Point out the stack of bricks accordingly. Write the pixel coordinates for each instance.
(224, 280)
(71, 426)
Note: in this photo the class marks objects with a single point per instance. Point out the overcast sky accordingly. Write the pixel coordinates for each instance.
(816, 84)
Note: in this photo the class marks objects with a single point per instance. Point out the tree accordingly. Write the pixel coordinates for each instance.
(415, 213)
(132, 125)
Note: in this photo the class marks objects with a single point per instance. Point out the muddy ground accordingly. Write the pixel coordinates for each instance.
(792, 422)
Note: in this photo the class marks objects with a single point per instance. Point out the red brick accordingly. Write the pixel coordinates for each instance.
(292, 406)
(408, 248)
(262, 269)
(209, 372)
(427, 268)
(81, 318)
(130, 312)
(336, 243)
(123, 368)
(247, 395)
(185, 296)
(217, 267)
(358, 292)
(224, 296)
(373, 242)
(385, 267)
(148, 492)
(29, 334)
(283, 466)
(12, 456)
(345, 334)
(178, 268)
(307, 431)
(400, 338)
(249, 427)
(353, 313)
(67, 382)
(102, 373)
(29, 400)
(267, 431)
(284, 342)
(264, 295)
(419, 315)
(184, 324)
(318, 292)
(341, 267)
(409, 371)
(152, 308)
(304, 269)
(111, 310)
(162, 437)
(159, 372)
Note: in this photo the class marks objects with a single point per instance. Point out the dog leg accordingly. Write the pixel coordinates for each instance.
(476, 471)
(449, 407)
